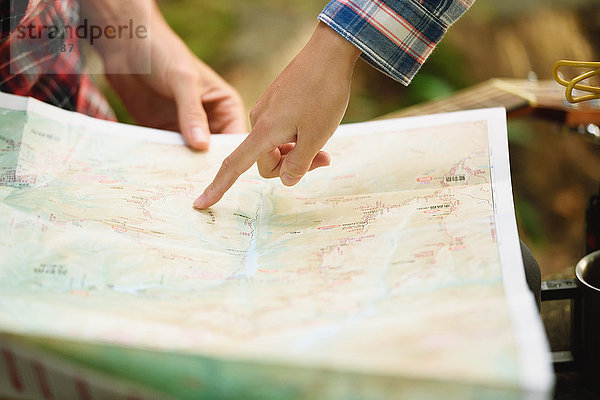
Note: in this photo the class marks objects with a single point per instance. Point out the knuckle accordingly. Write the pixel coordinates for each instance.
(227, 164)
(264, 169)
(211, 188)
(263, 123)
(183, 73)
(253, 116)
(234, 97)
(296, 169)
(196, 113)
(273, 141)
(258, 137)
(261, 119)
(186, 73)
(231, 168)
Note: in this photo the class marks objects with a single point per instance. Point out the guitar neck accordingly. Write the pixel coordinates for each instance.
(545, 99)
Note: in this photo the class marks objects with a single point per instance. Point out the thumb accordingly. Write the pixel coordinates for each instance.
(298, 161)
(193, 121)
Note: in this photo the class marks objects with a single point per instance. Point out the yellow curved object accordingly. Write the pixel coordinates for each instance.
(594, 69)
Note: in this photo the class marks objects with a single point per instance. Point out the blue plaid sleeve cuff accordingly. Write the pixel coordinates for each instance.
(395, 36)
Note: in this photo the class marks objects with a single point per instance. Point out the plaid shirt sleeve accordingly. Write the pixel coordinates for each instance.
(395, 36)
(50, 70)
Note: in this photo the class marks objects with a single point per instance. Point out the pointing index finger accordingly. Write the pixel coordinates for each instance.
(238, 162)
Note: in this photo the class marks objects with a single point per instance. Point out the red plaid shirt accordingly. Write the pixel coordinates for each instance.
(48, 69)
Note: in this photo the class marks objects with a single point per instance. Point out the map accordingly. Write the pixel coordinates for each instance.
(396, 270)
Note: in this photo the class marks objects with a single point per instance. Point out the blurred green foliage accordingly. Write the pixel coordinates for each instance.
(375, 94)
(214, 30)
(530, 222)
(206, 27)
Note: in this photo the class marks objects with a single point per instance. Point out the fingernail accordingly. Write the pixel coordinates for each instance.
(200, 202)
(199, 136)
(288, 180)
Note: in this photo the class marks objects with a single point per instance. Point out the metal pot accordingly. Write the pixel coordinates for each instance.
(584, 291)
(587, 328)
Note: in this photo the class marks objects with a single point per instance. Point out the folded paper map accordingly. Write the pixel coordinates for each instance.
(394, 273)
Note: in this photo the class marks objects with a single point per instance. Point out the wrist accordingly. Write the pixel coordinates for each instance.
(333, 47)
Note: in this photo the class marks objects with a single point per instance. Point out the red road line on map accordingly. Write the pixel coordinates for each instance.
(83, 389)
(40, 373)
(13, 373)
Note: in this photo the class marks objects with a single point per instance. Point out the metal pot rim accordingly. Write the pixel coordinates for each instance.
(581, 265)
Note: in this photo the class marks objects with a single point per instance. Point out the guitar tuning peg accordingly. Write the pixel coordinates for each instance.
(532, 76)
(594, 131)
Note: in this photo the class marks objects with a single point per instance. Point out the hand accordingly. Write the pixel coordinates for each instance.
(295, 116)
(180, 92)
